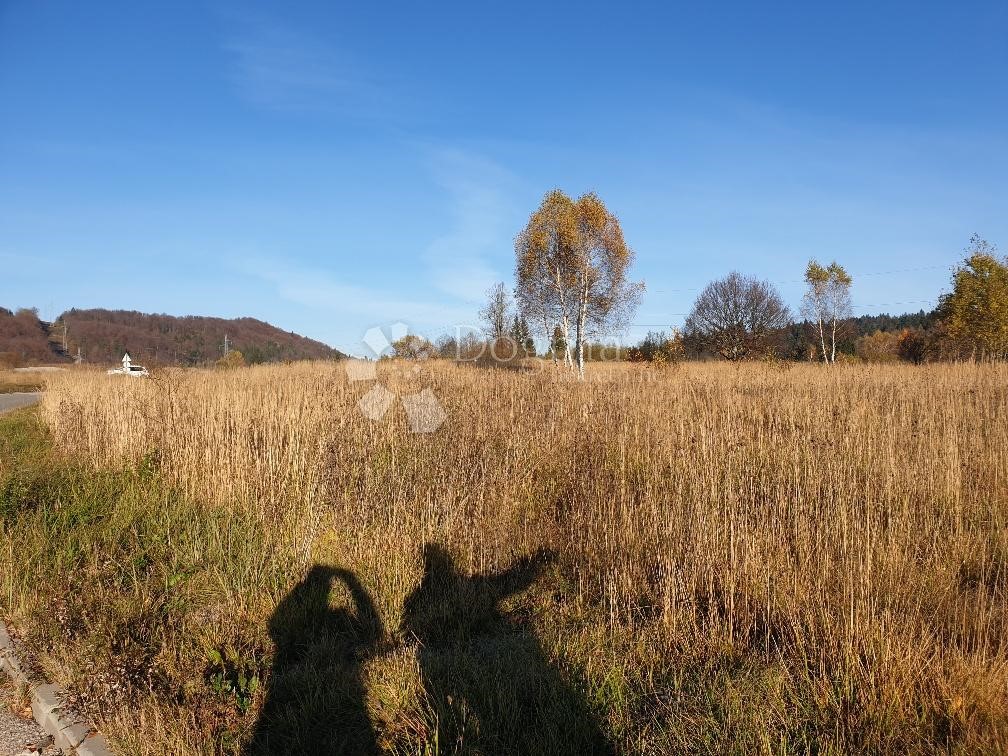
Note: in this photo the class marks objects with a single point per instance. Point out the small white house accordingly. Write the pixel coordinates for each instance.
(128, 368)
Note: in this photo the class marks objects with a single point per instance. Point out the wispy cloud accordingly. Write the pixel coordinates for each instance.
(363, 305)
(282, 68)
(456, 267)
(479, 192)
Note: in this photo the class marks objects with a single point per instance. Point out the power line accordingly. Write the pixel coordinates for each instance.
(855, 276)
(904, 270)
(683, 315)
(890, 304)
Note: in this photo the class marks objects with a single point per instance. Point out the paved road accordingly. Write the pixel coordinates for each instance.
(20, 399)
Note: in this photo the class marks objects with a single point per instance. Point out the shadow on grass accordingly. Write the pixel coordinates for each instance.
(489, 686)
(315, 702)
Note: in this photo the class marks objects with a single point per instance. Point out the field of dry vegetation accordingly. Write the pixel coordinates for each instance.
(707, 558)
(12, 381)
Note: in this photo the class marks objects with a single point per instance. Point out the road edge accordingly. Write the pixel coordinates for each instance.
(35, 398)
(68, 732)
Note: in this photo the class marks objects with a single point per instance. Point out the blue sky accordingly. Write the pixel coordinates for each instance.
(333, 166)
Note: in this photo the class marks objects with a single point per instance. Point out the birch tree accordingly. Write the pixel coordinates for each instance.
(545, 279)
(571, 265)
(827, 302)
(606, 298)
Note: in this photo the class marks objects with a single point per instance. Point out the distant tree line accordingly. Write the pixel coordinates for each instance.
(102, 336)
(739, 317)
(573, 290)
(969, 323)
(571, 286)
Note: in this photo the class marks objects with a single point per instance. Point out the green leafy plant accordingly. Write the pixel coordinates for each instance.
(232, 676)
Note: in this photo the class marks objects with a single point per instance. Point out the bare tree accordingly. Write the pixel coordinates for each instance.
(737, 316)
(827, 301)
(496, 313)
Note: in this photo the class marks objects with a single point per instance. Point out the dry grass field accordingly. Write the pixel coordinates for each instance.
(12, 381)
(700, 559)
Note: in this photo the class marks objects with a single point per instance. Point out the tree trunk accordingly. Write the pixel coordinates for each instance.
(568, 361)
(582, 314)
(833, 344)
(565, 322)
(549, 335)
(822, 341)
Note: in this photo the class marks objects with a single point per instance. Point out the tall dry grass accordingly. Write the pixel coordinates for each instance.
(747, 557)
(12, 381)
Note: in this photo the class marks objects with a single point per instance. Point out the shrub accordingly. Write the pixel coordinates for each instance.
(914, 345)
(881, 346)
(233, 359)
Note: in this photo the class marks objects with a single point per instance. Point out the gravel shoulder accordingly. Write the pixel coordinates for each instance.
(20, 734)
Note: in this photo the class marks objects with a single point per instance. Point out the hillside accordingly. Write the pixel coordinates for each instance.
(24, 338)
(103, 335)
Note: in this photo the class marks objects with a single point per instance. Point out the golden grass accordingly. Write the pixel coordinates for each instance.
(746, 557)
(12, 381)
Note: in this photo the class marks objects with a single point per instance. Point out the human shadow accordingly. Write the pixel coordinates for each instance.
(315, 699)
(489, 686)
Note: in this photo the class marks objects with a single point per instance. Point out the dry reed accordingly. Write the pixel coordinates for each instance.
(782, 559)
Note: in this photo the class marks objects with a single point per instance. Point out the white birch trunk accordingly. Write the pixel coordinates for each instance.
(568, 361)
(565, 323)
(833, 344)
(582, 310)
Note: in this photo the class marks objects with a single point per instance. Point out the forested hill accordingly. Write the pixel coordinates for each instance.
(865, 325)
(103, 335)
(24, 339)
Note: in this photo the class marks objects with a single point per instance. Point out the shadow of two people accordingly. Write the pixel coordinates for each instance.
(488, 686)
